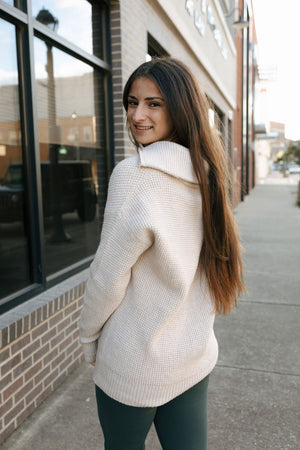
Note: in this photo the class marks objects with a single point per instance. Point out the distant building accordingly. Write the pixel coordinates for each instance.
(279, 144)
(262, 150)
(270, 140)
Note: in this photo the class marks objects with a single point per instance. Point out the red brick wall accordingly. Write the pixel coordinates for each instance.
(38, 351)
(116, 57)
(237, 125)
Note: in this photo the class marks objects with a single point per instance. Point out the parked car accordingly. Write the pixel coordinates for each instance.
(294, 168)
(67, 186)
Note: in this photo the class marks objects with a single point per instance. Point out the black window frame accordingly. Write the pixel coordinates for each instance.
(27, 27)
(154, 47)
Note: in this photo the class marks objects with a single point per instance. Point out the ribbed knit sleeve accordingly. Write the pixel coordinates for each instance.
(124, 237)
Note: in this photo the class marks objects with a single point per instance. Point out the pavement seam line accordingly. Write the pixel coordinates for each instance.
(264, 302)
(259, 370)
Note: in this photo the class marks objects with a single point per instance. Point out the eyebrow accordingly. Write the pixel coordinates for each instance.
(148, 98)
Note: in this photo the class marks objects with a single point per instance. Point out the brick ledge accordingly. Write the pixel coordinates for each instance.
(31, 313)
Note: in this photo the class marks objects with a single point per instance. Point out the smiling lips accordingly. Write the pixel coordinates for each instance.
(141, 128)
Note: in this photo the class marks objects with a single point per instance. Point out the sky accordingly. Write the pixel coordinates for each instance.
(278, 36)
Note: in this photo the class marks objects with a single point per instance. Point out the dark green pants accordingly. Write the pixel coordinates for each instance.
(181, 424)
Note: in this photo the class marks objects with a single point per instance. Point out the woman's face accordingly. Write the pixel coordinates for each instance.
(147, 113)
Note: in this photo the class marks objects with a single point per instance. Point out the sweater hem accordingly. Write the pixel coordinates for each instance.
(139, 394)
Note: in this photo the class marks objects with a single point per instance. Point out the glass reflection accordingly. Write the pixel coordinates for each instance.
(68, 14)
(14, 264)
(70, 114)
(16, 3)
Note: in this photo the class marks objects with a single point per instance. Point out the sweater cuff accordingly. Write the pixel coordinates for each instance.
(90, 351)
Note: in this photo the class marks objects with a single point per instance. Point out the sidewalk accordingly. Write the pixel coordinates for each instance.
(254, 400)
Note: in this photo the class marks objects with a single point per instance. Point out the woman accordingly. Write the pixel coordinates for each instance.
(168, 259)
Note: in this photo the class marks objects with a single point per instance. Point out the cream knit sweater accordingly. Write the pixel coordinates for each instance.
(148, 315)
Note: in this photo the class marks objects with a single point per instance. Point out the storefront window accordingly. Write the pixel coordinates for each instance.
(55, 141)
(73, 20)
(154, 49)
(14, 264)
(16, 3)
(70, 111)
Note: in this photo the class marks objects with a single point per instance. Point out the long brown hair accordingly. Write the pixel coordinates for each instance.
(220, 257)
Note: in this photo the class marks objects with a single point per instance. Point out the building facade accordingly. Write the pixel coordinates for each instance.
(243, 158)
(62, 129)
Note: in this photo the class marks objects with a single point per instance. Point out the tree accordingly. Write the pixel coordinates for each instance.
(293, 152)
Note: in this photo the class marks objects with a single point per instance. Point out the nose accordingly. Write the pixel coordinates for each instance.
(139, 113)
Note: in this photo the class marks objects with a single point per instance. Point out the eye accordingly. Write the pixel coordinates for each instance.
(132, 102)
(154, 104)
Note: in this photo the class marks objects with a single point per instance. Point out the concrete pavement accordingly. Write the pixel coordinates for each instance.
(254, 400)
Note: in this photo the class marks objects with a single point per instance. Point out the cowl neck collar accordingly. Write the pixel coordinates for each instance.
(170, 158)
